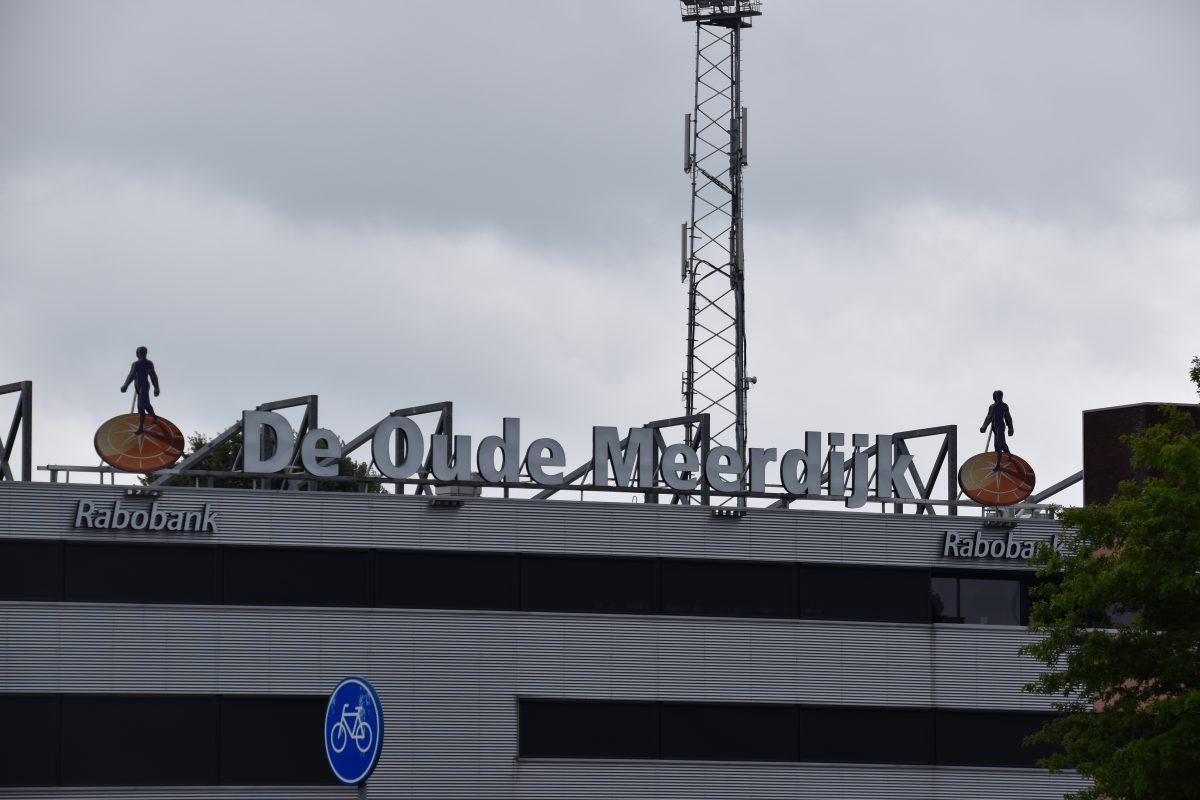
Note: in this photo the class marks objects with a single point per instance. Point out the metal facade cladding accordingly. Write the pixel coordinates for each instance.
(450, 680)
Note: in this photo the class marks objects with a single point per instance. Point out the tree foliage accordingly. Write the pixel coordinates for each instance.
(1119, 618)
(224, 456)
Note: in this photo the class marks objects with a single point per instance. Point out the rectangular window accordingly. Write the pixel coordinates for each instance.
(609, 585)
(944, 599)
(729, 589)
(273, 740)
(866, 735)
(980, 599)
(164, 740)
(296, 576)
(29, 749)
(30, 570)
(743, 732)
(988, 738)
(990, 601)
(142, 573)
(573, 729)
(139, 741)
(870, 594)
(405, 579)
(717, 732)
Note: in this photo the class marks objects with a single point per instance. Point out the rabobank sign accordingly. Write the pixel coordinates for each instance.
(116, 516)
(1009, 547)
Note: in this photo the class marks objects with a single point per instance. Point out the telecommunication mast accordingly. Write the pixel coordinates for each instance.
(712, 261)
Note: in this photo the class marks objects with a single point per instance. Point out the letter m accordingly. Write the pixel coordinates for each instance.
(606, 449)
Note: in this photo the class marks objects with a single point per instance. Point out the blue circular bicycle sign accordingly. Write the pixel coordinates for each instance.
(353, 730)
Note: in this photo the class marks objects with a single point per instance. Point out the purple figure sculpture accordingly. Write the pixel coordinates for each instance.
(141, 375)
(998, 417)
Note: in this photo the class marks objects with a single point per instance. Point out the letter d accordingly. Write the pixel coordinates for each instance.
(253, 457)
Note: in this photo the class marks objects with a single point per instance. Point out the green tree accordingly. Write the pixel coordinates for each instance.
(1119, 623)
(223, 456)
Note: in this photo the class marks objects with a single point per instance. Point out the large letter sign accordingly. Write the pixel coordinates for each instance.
(641, 461)
(353, 730)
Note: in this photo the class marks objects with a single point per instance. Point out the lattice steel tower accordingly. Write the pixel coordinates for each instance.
(713, 263)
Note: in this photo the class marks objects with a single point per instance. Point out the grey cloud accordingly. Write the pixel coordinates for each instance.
(560, 125)
(488, 200)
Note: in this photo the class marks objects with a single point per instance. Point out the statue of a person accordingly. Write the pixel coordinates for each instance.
(141, 375)
(999, 418)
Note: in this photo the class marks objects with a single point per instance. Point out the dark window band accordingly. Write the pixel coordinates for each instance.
(207, 574)
(131, 740)
(162, 740)
(583, 729)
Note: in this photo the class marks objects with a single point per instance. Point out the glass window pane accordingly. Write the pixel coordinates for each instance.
(446, 580)
(944, 599)
(142, 573)
(990, 601)
(729, 732)
(885, 595)
(724, 589)
(269, 740)
(138, 741)
(989, 738)
(868, 735)
(30, 570)
(318, 576)
(29, 740)
(607, 585)
(565, 729)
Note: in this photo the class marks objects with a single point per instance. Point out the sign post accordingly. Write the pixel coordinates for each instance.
(353, 731)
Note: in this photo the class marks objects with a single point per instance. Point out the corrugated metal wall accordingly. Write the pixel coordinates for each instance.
(449, 679)
(562, 526)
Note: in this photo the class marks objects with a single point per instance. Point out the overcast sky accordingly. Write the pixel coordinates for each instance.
(393, 203)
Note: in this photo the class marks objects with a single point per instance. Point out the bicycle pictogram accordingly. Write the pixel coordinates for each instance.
(351, 727)
(353, 714)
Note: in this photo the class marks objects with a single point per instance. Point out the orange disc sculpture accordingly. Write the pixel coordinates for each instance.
(988, 486)
(159, 446)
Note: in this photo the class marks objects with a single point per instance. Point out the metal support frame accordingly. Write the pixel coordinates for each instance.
(947, 457)
(307, 423)
(714, 379)
(445, 426)
(67, 469)
(1065, 483)
(22, 423)
(1032, 508)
